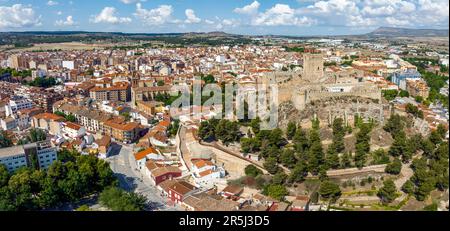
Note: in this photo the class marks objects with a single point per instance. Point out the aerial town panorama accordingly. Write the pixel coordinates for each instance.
(130, 105)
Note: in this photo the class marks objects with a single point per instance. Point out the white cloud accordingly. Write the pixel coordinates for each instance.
(52, 3)
(68, 22)
(281, 15)
(207, 21)
(397, 22)
(17, 16)
(157, 16)
(191, 17)
(248, 9)
(132, 1)
(108, 15)
(383, 8)
(59, 12)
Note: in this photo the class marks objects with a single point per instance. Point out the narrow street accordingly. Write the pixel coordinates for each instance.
(123, 165)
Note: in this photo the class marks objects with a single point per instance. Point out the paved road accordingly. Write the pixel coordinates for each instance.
(123, 165)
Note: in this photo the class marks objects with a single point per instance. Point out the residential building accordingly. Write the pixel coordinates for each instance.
(8, 123)
(25, 155)
(206, 202)
(73, 130)
(122, 131)
(117, 92)
(179, 190)
(17, 103)
(104, 147)
(143, 156)
(160, 172)
(49, 122)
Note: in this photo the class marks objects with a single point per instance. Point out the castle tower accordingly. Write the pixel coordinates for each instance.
(312, 67)
(134, 80)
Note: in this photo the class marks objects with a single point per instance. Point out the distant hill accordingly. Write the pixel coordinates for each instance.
(407, 32)
(26, 39)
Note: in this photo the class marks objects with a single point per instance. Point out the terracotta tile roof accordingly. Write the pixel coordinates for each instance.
(151, 165)
(142, 154)
(205, 173)
(48, 116)
(104, 141)
(202, 163)
(206, 202)
(233, 189)
(164, 123)
(182, 187)
(121, 126)
(165, 170)
(73, 126)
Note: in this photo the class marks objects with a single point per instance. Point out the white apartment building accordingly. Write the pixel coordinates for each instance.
(68, 64)
(20, 156)
(17, 103)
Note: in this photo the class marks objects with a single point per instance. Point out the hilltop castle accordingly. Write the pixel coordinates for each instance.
(310, 84)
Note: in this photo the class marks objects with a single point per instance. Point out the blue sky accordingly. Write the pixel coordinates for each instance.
(288, 17)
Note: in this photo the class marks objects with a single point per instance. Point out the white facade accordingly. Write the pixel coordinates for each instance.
(17, 103)
(68, 64)
(220, 59)
(13, 158)
(8, 123)
(16, 157)
(46, 156)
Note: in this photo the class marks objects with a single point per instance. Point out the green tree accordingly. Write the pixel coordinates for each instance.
(160, 83)
(208, 79)
(227, 131)
(394, 168)
(271, 165)
(206, 130)
(4, 140)
(251, 170)
(435, 137)
(279, 178)
(316, 156)
(362, 145)
(403, 93)
(291, 130)
(329, 190)
(408, 187)
(4, 175)
(332, 158)
(250, 145)
(338, 135)
(270, 151)
(287, 158)
(388, 192)
(379, 156)
(301, 141)
(255, 125)
(71, 118)
(276, 138)
(441, 130)
(394, 125)
(20, 186)
(390, 94)
(346, 160)
(36, 135)
(119, 200)
(299, 172)
(277, 192)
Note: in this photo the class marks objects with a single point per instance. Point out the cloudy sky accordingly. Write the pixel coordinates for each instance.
(288, 17)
